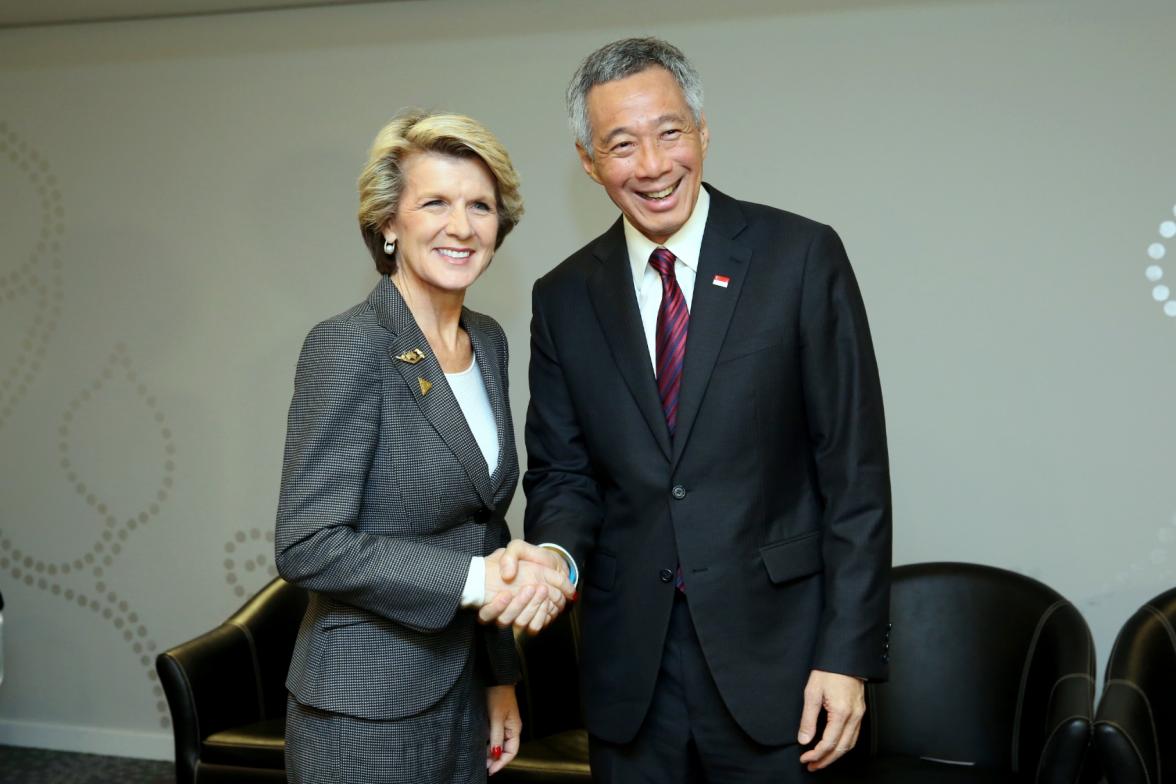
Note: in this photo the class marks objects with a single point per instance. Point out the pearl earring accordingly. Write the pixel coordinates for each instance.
(390, 247)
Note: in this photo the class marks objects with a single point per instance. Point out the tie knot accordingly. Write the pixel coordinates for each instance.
(663, 261)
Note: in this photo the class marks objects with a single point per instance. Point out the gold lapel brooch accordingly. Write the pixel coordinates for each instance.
(411, 356)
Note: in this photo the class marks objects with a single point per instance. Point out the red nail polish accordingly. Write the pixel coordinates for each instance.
(496, 752)
(575, 595)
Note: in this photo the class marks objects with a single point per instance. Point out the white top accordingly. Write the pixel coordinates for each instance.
(470, 391)
(686, 245)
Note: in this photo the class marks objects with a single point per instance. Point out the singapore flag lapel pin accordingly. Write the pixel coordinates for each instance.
(721, 281)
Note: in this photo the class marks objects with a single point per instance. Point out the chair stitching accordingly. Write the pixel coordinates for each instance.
(256, 665)
(1058, 682)
(1167, 624)
(1151, 716)
(1045, 616)
(1127, 737)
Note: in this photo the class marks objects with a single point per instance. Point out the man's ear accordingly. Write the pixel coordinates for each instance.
(703, 133)
(588, 164)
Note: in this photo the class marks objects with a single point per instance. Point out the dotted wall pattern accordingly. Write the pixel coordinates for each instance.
(84, 579)
(1154, 273)
(248, 555)
(37, 276)
(1161, 549)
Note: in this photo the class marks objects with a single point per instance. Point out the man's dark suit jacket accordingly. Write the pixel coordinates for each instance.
(774, 494)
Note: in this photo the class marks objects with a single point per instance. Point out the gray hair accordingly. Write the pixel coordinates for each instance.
(621, 59)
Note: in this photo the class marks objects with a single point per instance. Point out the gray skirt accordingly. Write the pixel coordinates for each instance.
(445, 744)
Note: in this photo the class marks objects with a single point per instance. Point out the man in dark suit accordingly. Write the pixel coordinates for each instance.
(706, 442)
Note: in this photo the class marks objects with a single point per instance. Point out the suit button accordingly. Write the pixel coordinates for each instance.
(666, 575)
(678, 492)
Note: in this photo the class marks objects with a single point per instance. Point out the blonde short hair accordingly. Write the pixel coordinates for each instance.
(382, 181)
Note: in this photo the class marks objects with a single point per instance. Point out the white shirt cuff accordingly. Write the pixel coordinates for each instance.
(474, 592)
(573, 572)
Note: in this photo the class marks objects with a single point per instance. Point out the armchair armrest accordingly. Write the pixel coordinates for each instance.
(1125, 734)
(1057, 703)
(1067, 730)
(211, 685)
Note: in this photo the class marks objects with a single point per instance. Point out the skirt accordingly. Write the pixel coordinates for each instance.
(445, 744)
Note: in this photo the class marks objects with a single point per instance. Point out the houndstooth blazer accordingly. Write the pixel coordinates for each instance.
(385, 497)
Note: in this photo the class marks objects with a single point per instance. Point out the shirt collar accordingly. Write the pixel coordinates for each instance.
(685, 244)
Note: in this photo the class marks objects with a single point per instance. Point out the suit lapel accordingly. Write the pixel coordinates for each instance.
(611, 289)
(711, 308)
(434, 397)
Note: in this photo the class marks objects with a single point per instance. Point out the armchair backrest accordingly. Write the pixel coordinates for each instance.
(982, 660)
(269, 621)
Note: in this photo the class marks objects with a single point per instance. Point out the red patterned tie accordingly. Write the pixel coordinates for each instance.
(673, 320)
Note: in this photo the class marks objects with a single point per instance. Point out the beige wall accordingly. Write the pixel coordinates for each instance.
(176, 209)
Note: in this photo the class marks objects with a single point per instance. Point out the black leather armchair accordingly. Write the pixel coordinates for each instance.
(227, 694)
(1135, 728)
(992, 680)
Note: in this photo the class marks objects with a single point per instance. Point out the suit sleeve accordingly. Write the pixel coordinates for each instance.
(843, 401)
(331, 437)
(564, 505)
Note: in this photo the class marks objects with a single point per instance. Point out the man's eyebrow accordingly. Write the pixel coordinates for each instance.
(665, 118)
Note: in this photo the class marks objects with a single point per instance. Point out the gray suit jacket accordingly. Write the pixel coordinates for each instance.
(385, 497)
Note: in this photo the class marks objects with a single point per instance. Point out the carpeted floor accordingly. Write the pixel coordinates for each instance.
(41, 766)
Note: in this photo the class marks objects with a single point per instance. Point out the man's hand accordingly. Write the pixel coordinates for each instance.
(519, 550)
(843, 697)
(526, 586)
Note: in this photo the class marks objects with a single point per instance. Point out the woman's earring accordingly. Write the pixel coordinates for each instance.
(390, 247)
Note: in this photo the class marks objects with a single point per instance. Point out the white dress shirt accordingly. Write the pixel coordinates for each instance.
(686, 245)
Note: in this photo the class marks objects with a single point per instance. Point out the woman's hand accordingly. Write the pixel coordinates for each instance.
(502, 708)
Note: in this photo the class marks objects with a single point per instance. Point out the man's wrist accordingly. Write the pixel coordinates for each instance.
(573, 572)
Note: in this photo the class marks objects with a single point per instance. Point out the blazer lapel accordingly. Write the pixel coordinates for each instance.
(711, 308)
(426, 381)
(615, 301)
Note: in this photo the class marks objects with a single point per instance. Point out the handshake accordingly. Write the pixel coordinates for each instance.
(526, 587)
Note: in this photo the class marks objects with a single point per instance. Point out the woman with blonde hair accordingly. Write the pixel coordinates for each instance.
(399, 466)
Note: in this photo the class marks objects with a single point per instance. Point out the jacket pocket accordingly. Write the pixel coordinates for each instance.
(602, 571)
(792, 558)
(342, 616)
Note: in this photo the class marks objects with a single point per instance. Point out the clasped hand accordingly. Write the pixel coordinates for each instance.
(526, 586)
